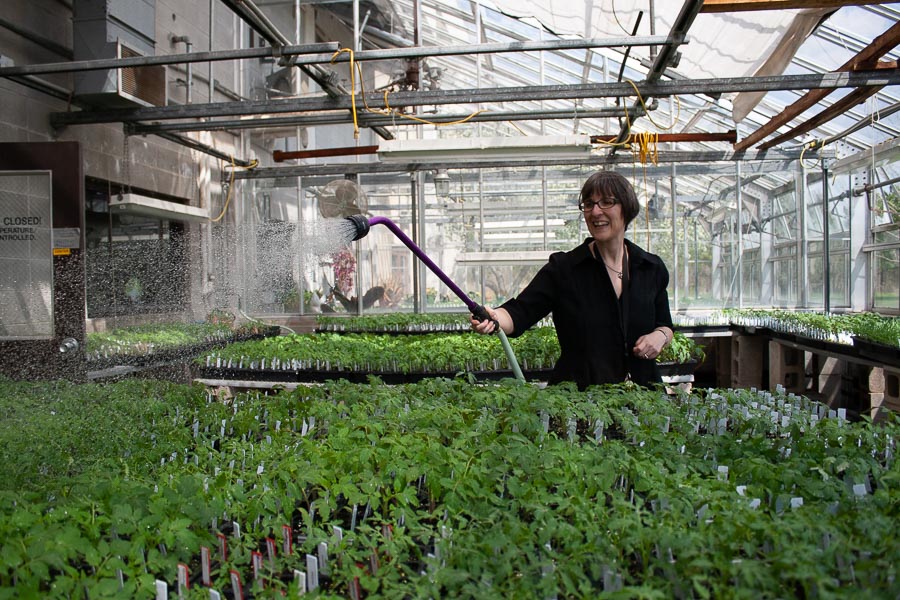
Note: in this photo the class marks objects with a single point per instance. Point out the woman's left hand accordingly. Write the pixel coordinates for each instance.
(649, 346)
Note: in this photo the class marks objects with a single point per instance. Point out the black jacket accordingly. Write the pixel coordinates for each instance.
(595, 346)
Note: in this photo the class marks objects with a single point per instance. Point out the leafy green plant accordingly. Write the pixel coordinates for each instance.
(681, 349)
(448, 489)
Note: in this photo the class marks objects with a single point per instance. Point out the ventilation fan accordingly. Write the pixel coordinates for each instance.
(342, 198)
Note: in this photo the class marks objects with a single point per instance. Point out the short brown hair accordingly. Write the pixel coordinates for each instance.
(613, 185)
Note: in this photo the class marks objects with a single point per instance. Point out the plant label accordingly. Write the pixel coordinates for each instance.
(312, 572)
(322, 550)
(256, 560)
(796, 502)
(287, 540)
(184, 580)
(270, 551)
(223, 546)
(300, 580)
(204, 566)
(214, 595)
(237, 588)
(162, 590)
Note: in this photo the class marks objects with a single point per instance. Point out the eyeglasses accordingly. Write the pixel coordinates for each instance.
(604, 203)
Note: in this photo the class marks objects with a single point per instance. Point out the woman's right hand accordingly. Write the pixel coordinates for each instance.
(488, 325)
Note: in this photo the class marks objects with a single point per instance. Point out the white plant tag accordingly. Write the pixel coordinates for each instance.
(322, 550)
(204, 566)
(162, 590)
(796, 502)
(312, 572)
(184, 580)
(300, 579)
(287, 540)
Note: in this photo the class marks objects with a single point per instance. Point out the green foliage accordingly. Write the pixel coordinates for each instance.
(681, 349)
(394, 322)
(460, 490)
(142, 338)
(537, 348)
(835, 327)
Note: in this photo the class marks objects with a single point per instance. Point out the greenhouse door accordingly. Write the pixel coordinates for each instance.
(42, 325)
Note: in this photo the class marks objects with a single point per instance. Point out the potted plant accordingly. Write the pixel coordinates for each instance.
(681, 356)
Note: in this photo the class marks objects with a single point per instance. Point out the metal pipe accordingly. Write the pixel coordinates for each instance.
(200, 147)
(281, 155)
(375, 120)
(189, 81)
(665, 157)
(826, 245)
(192, 57)
(490, 95)
(869, 187)
(210, 31)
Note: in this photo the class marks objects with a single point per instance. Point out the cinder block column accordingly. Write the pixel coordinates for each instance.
(830, 370)
(747, 352)
(787, 367)
(884, 392)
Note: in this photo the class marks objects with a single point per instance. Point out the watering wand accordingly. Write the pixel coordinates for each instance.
(361, 227)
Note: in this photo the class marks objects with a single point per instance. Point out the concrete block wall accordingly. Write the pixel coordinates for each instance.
(787, 367)
(886, 393)
(747, 361)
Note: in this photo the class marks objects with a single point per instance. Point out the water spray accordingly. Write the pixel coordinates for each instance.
(361, 226)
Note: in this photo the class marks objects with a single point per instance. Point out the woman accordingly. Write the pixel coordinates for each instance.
(608, 296)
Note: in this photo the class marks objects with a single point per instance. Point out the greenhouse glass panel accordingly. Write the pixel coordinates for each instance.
(886, 279)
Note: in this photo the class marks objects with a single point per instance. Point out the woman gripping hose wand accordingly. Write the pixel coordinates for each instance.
(607, 296)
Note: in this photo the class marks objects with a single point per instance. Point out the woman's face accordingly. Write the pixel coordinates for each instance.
(604, 224)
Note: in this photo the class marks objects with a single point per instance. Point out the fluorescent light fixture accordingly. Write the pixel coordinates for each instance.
(501, 258)
(134, 204)
(496, 148)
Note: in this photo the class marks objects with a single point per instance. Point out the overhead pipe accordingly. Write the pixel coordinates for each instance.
(667, 55)
(188, 46)
(145, 61)
(378, 120)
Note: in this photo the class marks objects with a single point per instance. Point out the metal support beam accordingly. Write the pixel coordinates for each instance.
(195, 145)
(666, 56)
(866, 59)
(369, 120)
(721, 6)
(489, 95)
(832, 112)
(103, 64)
(681, 157)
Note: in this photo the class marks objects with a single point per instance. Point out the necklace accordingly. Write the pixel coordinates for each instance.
(619, 274)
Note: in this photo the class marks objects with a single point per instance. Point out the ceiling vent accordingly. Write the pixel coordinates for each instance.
(103, 29)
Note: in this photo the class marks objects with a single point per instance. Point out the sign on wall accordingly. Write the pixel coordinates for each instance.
(26, 255)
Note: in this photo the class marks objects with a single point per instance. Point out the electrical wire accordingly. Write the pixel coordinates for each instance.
(388, 111)
(253, 165)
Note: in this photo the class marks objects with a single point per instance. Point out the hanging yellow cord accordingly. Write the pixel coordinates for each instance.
(388, 111)
(810, 146)
(352, 87)
(253, 165)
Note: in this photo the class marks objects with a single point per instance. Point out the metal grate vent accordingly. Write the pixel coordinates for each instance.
(146, 85)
